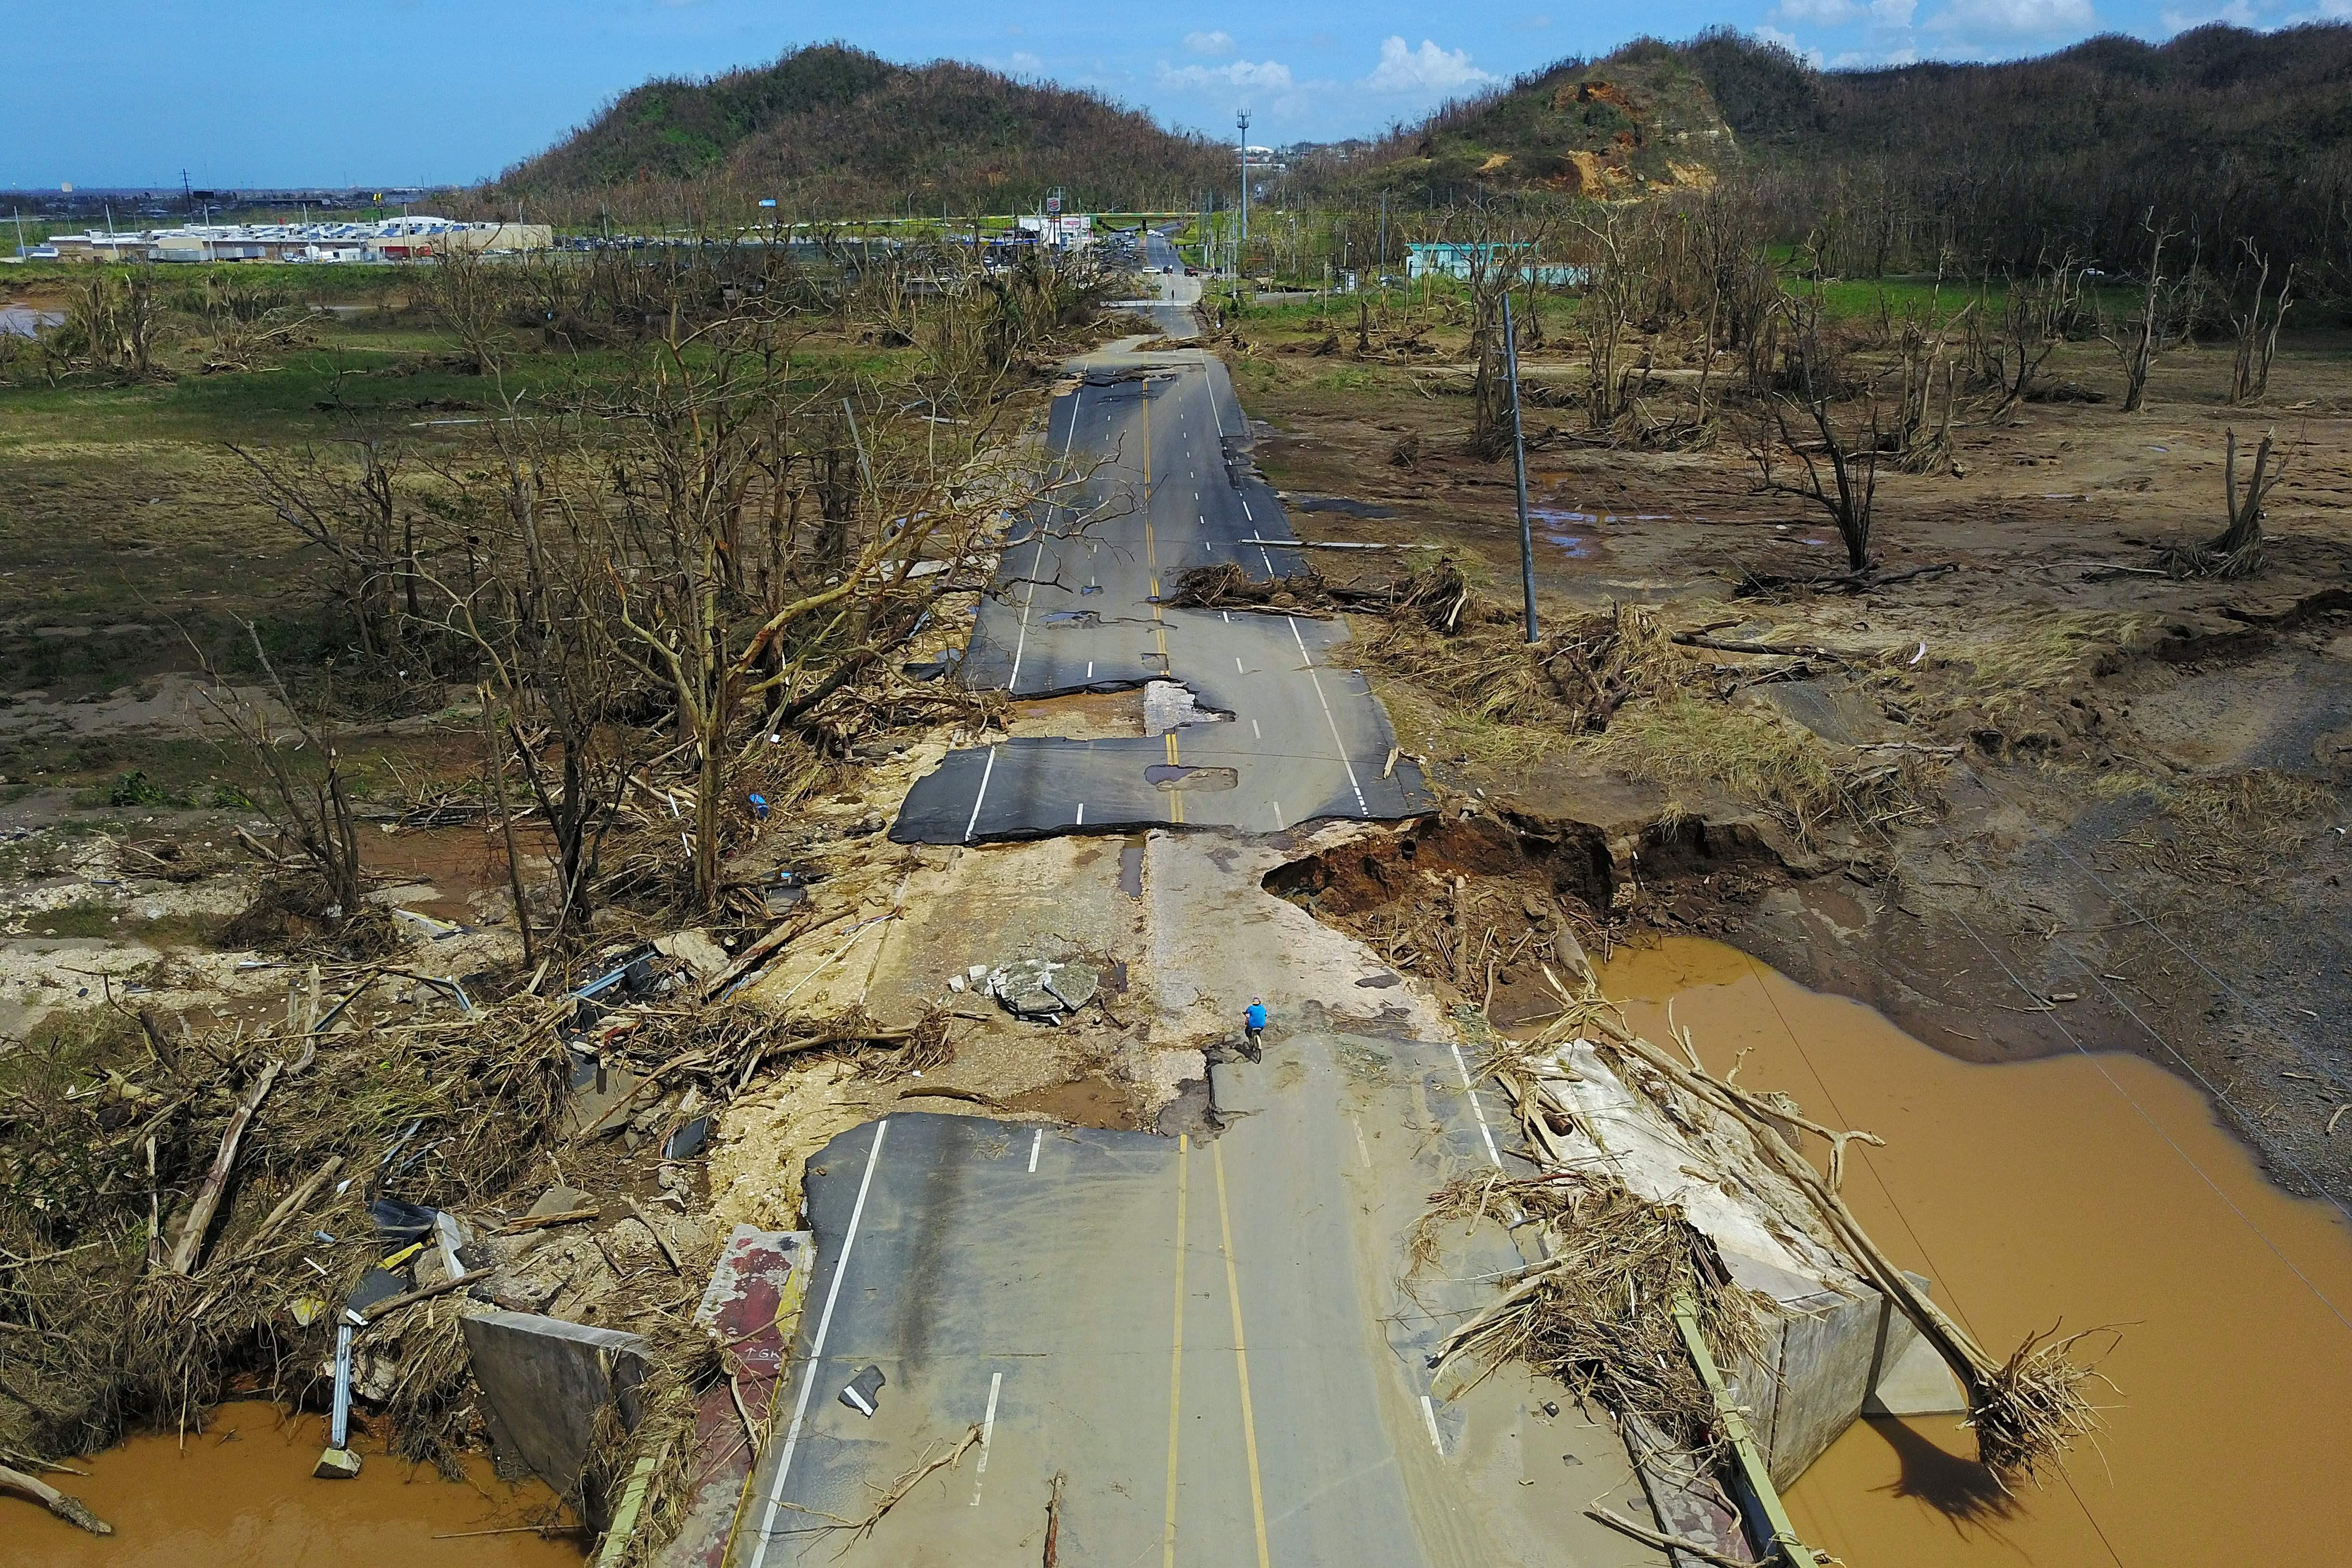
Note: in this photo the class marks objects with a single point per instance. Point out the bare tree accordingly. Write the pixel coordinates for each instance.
(721, 596)
(312, 809)
(2167, 309)
(473, 298)
(2036, 315)
(363, 522)
(1836, 472)
(538, 611)
(1921, 437)
(2257, 329)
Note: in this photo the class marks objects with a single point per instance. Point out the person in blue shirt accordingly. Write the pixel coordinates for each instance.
(1254, 1021)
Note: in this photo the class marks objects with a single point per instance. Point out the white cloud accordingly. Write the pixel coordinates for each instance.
(1893, 13)
(1863, 60)
(1428, 72)
(2017, 18)
(1827, 13)
(2237, 12)
(1269, 76)
(1023, 63)
(1789, 42)
(1217, 43)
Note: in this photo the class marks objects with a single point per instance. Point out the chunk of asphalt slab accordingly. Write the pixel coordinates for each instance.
(864, 1391)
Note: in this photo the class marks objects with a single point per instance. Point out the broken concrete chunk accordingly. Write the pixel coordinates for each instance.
(1039, 988)
(544, 1382)
(336, 1465)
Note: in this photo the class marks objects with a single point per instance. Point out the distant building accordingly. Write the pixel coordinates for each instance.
(1452, 259)
(416, 239)
(1058, 228)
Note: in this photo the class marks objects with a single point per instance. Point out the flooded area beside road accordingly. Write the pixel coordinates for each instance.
(241, 1492)
(2073, 1191)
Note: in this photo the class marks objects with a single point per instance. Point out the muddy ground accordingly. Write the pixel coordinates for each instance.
(2122, 823)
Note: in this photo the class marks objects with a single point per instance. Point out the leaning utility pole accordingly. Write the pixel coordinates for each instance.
(1519, 463)
(1242, 239)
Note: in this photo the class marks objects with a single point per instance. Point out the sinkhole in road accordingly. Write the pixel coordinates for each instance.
(1185, 776)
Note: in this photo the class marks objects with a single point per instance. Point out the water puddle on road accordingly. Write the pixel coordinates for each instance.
(2075, 1191)
(241, 1492)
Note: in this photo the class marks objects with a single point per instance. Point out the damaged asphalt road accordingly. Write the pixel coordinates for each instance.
(1165, 480)
(1206, 1351)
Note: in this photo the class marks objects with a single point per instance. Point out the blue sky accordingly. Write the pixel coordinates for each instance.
(255, 92)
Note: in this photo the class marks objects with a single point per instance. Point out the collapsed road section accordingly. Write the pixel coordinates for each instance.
(1157, 484)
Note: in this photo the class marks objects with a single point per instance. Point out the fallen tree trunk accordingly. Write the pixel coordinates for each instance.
(71, 1510)
(199, 1220)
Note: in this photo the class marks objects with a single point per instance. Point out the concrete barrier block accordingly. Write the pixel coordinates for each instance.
(544, 1380)
(1907, 1377)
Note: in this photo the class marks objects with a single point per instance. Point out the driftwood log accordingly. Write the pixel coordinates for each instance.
(71, 1510)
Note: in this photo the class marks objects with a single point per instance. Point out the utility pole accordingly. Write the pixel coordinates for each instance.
(1381, 265)
(1241, 240)
(1519, 464)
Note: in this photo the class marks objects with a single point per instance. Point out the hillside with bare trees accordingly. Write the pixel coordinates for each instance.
(832, 131)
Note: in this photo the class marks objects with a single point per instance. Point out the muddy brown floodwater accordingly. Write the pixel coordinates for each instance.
(241, 1492)
(2076, 1190)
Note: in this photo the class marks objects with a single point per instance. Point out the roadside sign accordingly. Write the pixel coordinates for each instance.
(1054, 203)
(767, 200)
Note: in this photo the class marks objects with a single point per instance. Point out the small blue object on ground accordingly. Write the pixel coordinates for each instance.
(760, 806)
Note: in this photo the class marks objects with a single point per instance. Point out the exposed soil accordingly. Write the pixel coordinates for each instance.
(2123, 793)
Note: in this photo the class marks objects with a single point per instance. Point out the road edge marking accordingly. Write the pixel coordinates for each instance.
(987, 1433)
(971, 826)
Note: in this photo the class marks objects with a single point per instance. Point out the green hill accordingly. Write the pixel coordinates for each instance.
(830, 130)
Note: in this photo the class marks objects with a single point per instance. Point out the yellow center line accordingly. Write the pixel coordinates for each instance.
(1176, 1359)
(1240, 1356)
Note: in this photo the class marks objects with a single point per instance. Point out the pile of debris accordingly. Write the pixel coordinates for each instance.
(1667, 1193)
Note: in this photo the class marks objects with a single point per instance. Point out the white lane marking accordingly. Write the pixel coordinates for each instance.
(1361, 1148)
(1213, 412)
(1429, 1413)
(987, 1431)
(1037, 561)
(1477, 1110)
(1036, 1142)
(1328, 718)
(1277, 813)
(1090, 669)
(1247, 513)
(1082, 814)
(981, 796)
(1255, 733)
(816, 1349)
